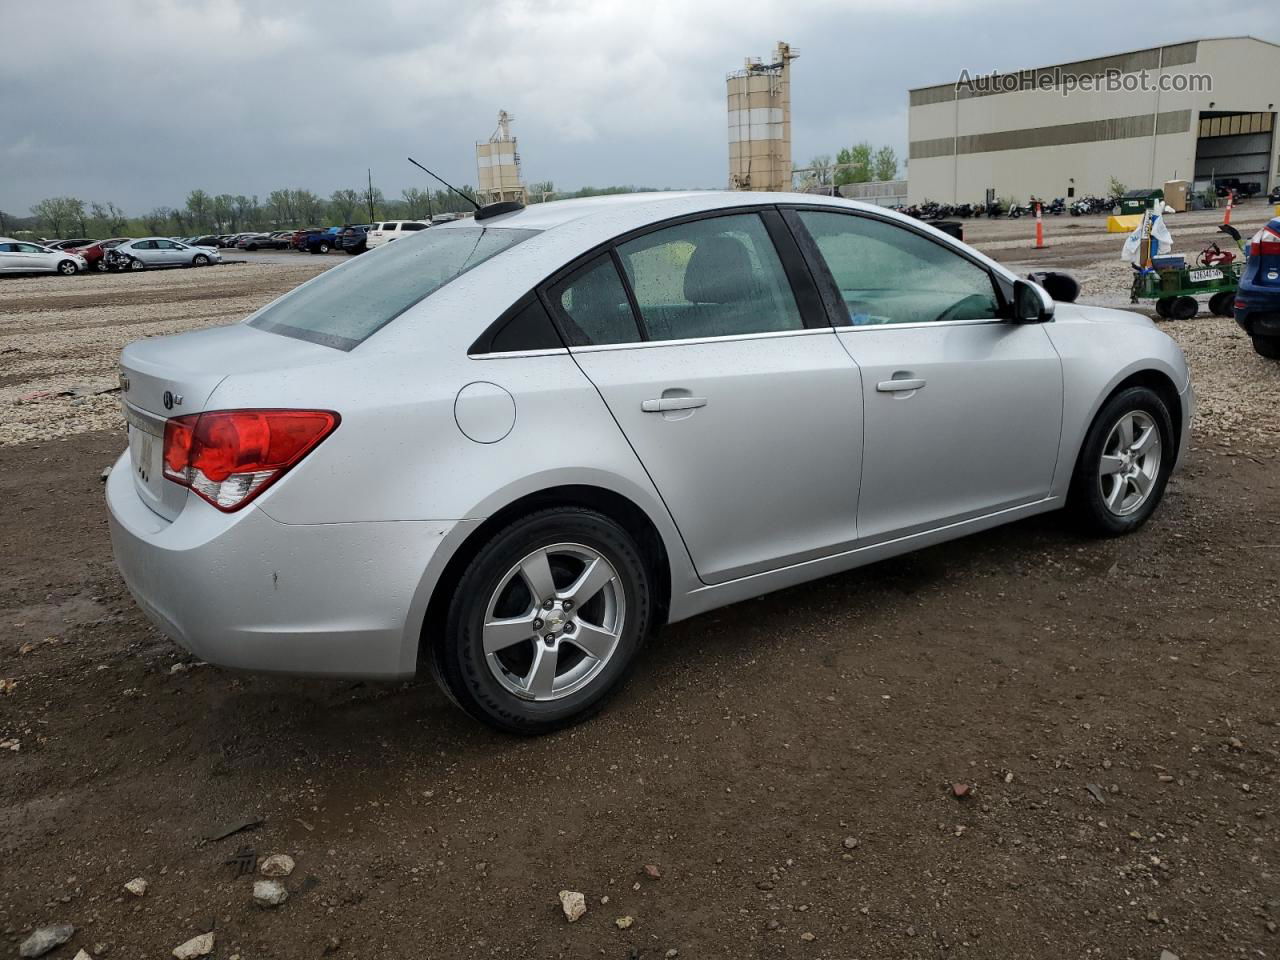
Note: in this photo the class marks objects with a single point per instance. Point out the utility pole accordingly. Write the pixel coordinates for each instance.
(369, 194)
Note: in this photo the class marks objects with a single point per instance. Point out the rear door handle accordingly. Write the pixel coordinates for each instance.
(899, 386)
(672, 403)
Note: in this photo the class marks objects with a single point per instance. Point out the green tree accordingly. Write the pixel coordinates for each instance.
(157, 219)
(58, 214)
(853, 164)
(310, 209)
(248, 213)
(280, 208)
(345, 205)
(885, 164)
(199, 210)
(417, 202)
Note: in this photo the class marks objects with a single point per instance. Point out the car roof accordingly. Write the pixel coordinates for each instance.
(630, 211)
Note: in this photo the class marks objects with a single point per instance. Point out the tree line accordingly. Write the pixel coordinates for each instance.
(860, 163)
(204, 212)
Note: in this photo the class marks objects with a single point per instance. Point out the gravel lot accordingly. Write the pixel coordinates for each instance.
(788, 764)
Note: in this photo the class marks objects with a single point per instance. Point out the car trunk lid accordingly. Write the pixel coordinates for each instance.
(176, 376)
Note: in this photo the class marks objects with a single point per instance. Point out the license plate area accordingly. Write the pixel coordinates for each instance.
(146, 452)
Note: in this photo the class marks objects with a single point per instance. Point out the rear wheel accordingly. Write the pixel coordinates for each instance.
(545, 622)
(1184, 308)
(67, 268)
(1164, 307)
(1268, 347)
(1124, 465)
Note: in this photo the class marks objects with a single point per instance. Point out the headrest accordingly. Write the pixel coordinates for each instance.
(716, 271)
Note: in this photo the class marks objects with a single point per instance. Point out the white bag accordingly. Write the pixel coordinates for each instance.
(1161, 240)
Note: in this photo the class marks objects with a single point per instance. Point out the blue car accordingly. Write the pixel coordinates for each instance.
(1258, 299)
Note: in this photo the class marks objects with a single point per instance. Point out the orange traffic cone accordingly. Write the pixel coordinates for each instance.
(1231, 197)
(1040, 244)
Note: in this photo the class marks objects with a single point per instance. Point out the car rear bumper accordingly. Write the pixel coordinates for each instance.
(245, 591)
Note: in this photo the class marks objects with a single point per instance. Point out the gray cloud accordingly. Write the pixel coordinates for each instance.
(139, 102)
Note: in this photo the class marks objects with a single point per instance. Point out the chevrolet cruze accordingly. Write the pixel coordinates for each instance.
(507, 449)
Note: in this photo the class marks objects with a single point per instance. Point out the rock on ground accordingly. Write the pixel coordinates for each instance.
(200, 946)
(269, 893)
(277, 865)
(44, 939)
(137, 886)
(574, 904)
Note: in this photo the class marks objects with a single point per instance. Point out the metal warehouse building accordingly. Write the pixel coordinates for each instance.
(1200, 110)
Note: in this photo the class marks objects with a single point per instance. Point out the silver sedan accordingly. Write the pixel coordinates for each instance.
(20, 256)
(505, 450)
(163, 252)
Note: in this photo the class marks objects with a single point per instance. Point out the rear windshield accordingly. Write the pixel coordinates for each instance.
(344, 306)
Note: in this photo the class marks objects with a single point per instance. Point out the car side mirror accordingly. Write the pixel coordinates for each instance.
(1061, 287)
(1031, 304)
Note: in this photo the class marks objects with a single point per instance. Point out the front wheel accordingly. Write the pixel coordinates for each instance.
(136, 264)
(199, 260)
(545, 621)
(1268, 347)
(1124, 465)
(67, 268)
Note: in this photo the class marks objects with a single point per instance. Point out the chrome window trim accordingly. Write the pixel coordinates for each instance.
(921, 325)
(516, 354)
(691, 341)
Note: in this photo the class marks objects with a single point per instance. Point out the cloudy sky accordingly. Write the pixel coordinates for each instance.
(139, 101)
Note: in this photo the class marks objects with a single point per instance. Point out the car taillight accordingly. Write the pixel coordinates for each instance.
(228, 457)
(1266, 243)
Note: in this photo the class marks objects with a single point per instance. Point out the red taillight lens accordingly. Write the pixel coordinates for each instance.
(228, 457)
(1267, 243)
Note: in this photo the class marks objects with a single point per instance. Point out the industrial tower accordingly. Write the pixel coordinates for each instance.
(760, 123)
(498, 165)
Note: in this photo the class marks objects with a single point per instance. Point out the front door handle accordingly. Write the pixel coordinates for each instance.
(667, 404)
(899, 386)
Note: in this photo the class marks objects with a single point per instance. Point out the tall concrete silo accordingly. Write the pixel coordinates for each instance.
(760, 123)
(498, 165)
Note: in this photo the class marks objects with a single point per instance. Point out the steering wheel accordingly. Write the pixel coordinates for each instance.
(975, 304)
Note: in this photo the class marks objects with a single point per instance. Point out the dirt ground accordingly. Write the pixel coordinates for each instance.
(786, 764)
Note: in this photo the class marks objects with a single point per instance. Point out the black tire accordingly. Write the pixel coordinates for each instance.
(67, 268)
(1164, 307)
(199, 260)
(1268, 347)
(1223, 304)
(1085, 501)
(136, 264)
(458, 658)
(1184, 308)
(100, 266)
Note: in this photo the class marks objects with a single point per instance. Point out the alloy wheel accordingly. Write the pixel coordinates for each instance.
(1130, 463)
(554, 621)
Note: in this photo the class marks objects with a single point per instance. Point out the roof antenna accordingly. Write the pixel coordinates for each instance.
(470, 200)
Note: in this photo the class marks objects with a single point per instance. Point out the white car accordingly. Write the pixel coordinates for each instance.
(163, 252)
(387, 230)
(20, 256)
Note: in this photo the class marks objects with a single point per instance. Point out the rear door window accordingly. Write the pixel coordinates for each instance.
(716, 277)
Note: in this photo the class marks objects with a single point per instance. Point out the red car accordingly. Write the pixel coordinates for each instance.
(95, 252)
(299, 239)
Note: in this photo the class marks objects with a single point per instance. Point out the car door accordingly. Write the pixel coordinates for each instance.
(963, 407)
(170, 253)
(715, 358)
(33, 258)
(144, 250)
